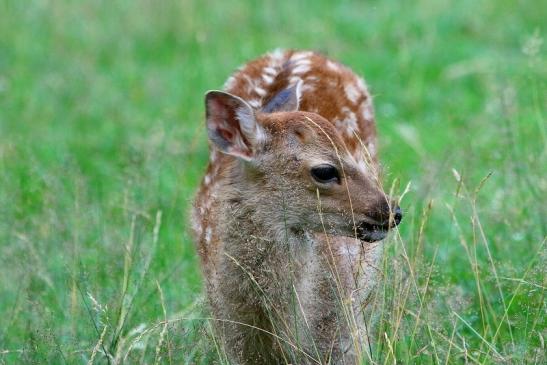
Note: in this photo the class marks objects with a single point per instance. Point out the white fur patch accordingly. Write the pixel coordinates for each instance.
(267, 78)
(348, 123)
(362, 85)
(347, 126)
(333, 66)
(348, 114)
(352, 93)
(230, 83)
(277, 55)
(260, 91)
(366, 111)
(299, 56)
(253, 86)
(270, 71)
(301, 68)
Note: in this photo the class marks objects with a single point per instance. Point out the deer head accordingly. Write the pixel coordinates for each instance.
(294, 171)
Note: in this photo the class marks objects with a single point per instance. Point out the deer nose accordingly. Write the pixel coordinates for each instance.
(388, 217)
(397, 215)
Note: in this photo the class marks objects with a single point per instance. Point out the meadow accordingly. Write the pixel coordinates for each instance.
(102, 145)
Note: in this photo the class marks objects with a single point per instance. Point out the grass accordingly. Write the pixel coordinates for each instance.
(102, 146)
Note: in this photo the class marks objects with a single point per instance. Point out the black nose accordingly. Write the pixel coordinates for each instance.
(397, 216)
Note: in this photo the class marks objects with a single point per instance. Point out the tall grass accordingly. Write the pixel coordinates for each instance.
(102, 145)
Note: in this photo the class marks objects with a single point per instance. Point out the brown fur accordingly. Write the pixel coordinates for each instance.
(285, 276)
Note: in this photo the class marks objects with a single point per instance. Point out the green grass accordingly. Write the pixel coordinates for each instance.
(102, 144)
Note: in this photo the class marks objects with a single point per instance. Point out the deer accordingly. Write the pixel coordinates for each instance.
(290, 215)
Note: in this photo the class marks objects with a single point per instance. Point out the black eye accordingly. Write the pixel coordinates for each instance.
(325, 174)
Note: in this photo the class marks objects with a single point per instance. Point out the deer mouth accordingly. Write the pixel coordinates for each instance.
(370, 232)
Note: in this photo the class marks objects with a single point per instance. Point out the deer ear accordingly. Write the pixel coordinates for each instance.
(286, 100)
(232, 125)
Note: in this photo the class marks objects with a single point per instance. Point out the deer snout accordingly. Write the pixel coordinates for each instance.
(379, 221)
(397, 215)
(386, 214)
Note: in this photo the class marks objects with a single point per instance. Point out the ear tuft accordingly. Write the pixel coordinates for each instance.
(286, 100)
(232, 125)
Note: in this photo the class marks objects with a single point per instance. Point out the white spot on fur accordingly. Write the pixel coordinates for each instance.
(352, 92)
(230, 83)
(362, 85)
(348, 123)
(333, 66)
(260, 91)
(302, 61)
(299, 56)
(347, 126)
(207, 180)
(366, 111)
(270, 71)
(301, 69)
(277, 55)
(348, 113)
(267, 79)
(254, 86)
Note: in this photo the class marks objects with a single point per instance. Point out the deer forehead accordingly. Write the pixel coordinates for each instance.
(310, 129)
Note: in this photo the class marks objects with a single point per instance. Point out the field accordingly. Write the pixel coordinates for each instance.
(102, 145)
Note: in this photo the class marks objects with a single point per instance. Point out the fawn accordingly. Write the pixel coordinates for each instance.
(290, 213)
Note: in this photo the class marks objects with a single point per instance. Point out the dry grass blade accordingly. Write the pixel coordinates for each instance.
(97, 347)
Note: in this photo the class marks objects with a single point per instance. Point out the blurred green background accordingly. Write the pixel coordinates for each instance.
(102, 141)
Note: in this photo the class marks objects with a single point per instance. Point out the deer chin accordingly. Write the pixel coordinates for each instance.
(364, 234)
(372, 236)
(371, 232)
(367, 236)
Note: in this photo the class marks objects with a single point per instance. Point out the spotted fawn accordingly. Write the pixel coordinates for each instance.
(290, 213)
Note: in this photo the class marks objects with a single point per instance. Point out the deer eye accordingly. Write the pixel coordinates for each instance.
(325, 174)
